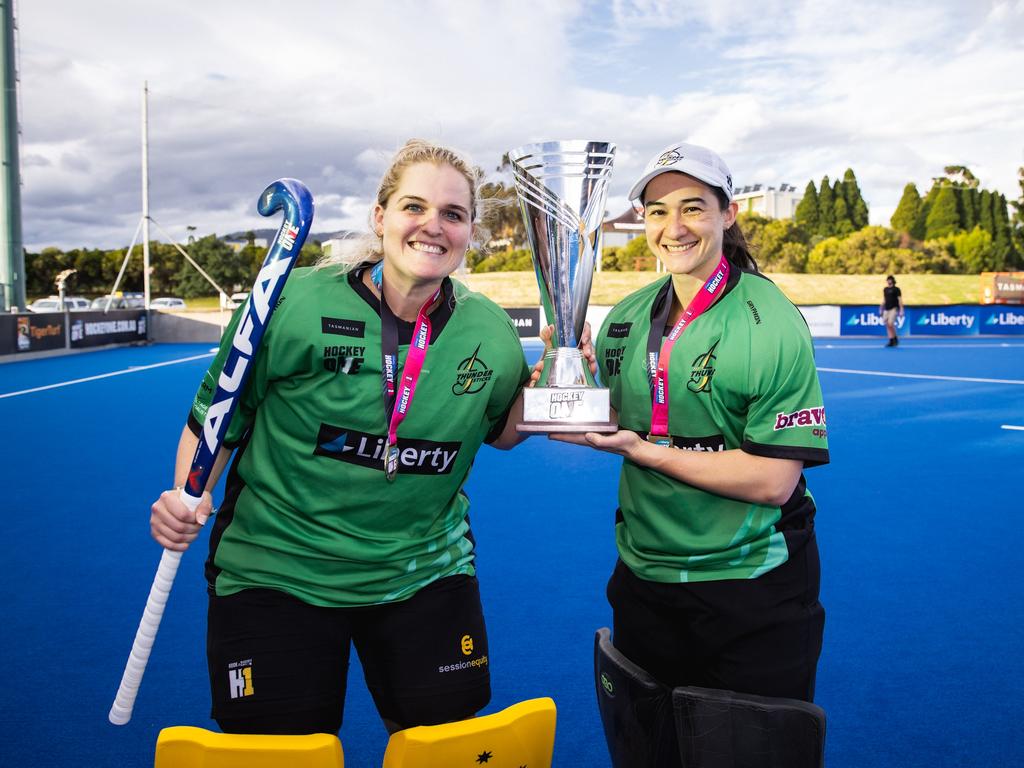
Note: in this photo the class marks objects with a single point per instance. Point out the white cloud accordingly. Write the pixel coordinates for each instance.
(245, 93)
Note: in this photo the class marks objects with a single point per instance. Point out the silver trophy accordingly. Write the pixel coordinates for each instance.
(562, 187)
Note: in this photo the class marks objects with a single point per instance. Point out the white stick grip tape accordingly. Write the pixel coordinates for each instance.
(124, 702)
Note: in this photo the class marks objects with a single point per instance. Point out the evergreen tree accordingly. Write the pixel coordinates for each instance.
(967, 199)
(1018, 219)
(986, 214)
(859, 212)
(944, 216)
(855, 203)
(1003, 237)
(926, 204)
(806, 214)
(907, 216)
(826, 209)
(843, 225)
(958, 176)
(975, 197)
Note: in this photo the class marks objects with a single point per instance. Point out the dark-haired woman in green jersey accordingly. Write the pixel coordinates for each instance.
(712, 375)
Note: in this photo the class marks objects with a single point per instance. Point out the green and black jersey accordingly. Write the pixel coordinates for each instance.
(308, 509)
(742, 375)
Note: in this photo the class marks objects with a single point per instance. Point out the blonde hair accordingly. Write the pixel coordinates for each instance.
(367, 248)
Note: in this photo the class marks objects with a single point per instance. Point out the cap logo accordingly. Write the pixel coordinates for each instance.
(669, 158)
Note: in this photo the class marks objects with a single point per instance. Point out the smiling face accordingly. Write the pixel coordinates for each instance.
(425, 226)
(685, 224)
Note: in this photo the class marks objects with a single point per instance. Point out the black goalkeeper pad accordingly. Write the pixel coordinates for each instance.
(722, 729)
(636, 710)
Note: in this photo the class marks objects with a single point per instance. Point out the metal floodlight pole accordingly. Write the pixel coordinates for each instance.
(12, 254)
(124, 264)
(145, 192)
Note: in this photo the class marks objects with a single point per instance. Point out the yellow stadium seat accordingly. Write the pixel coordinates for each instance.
(522, 735)
(186, 747)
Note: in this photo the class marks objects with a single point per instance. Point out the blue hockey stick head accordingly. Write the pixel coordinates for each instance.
(296, 200)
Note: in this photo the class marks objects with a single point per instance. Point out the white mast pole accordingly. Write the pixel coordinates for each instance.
(145, 191)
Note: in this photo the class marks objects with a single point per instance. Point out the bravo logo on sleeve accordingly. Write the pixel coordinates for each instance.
(805, 417)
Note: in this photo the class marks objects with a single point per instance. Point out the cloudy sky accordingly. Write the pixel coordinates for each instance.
(242, 93)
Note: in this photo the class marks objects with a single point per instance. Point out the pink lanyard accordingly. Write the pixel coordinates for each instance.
(658, 362)
(399, 406)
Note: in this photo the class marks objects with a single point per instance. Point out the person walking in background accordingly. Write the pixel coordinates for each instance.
(891, 306)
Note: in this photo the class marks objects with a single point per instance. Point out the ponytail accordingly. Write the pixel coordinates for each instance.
(734, 244)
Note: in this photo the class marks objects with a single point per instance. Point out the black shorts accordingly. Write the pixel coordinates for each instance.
(279, 665)
(760, 636)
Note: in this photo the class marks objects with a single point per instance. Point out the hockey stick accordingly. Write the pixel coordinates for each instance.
(297, 202)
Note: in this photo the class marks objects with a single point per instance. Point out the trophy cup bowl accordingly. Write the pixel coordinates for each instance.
(562, 186)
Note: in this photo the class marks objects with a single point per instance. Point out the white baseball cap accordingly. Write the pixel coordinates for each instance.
(699, 162)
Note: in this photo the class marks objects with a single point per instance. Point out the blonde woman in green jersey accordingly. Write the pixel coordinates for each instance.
(344, 521)
(712, 375)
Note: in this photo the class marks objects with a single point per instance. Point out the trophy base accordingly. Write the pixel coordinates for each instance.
(566, 409)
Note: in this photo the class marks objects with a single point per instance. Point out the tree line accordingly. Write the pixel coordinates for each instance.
(170, 273)
(956, 227)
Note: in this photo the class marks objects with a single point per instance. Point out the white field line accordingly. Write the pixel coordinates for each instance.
(1012, 426)
(133, 369)
(923, 376)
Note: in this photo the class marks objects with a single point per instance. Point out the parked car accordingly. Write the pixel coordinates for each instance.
(134, 300)
(116, 302)
(236, 300)
(167, 302)
(45, 305)
(52, 304)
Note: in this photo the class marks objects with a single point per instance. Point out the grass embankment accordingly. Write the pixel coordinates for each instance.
(519, 289)
(204, 303)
